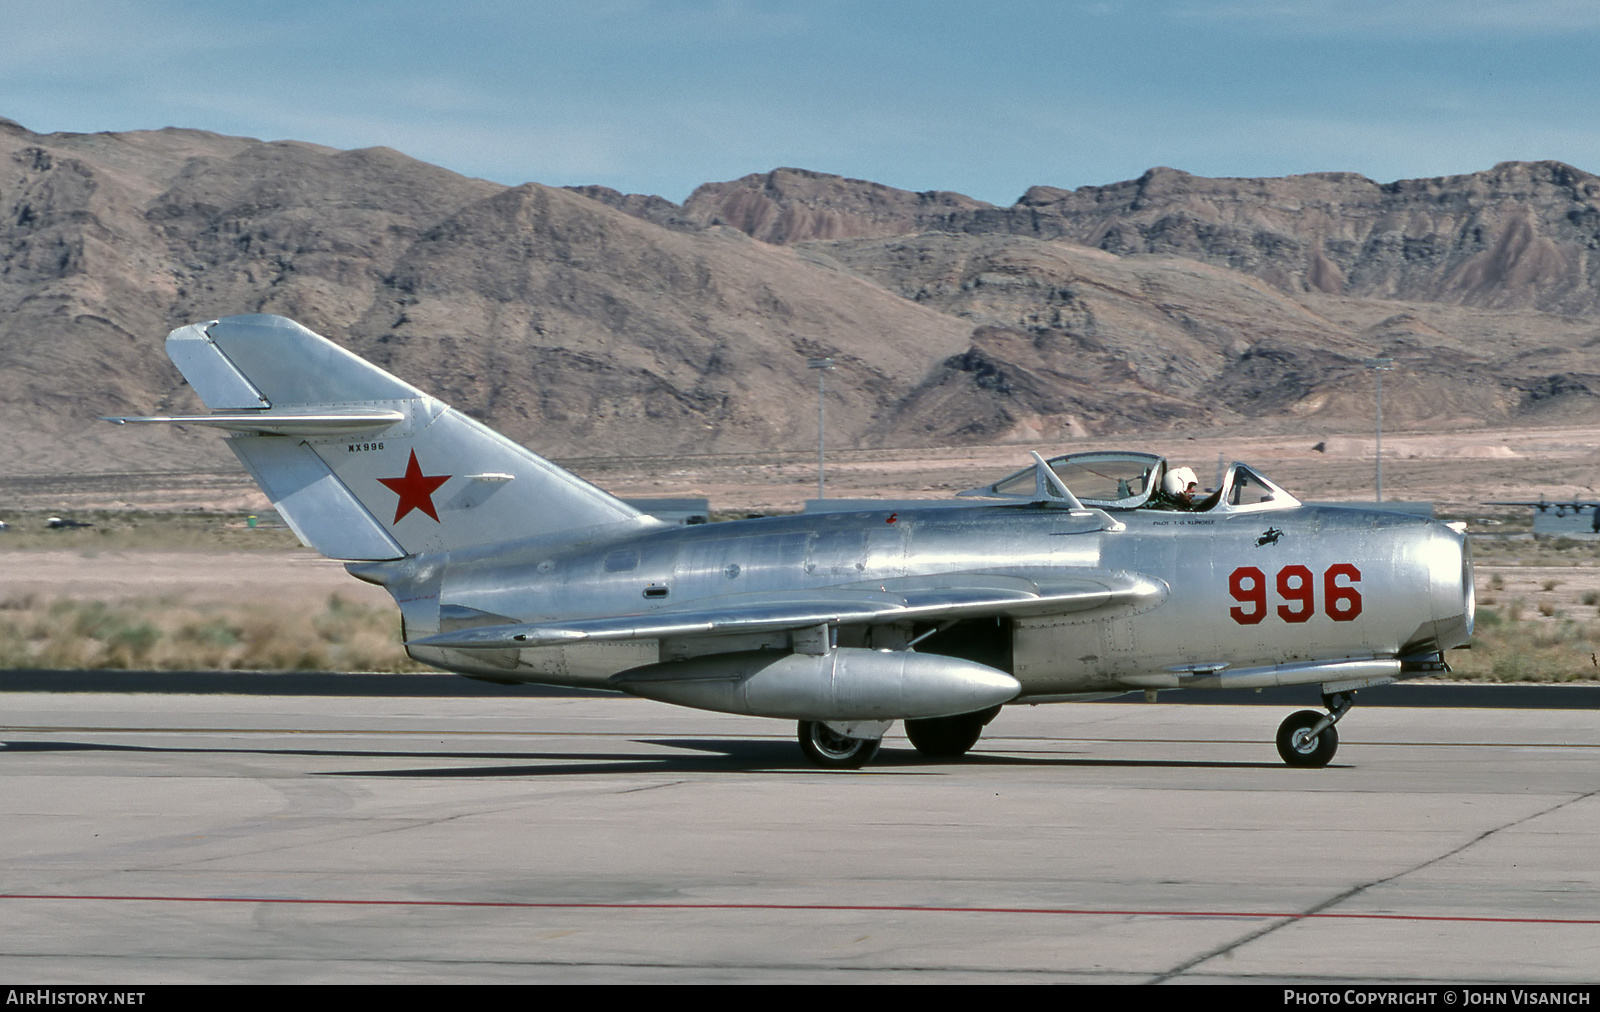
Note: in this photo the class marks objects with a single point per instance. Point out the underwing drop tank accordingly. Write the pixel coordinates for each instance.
(848, 683)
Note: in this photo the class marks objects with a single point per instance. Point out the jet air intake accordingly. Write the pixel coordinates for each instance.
(849, 683)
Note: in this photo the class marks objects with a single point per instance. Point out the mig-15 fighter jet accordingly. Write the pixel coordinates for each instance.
(1082, 577)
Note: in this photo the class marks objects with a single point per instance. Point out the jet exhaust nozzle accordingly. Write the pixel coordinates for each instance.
(848, 683)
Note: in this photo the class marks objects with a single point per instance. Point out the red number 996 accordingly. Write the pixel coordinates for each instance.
(1297, 589)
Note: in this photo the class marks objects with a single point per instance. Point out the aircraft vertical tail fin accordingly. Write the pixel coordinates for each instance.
(362, 465)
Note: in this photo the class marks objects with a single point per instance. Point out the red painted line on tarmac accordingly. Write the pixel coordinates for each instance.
(819, 907)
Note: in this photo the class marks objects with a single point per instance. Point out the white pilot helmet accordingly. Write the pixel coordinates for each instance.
(1178, 479)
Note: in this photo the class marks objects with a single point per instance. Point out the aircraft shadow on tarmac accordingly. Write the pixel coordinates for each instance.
(699, 756)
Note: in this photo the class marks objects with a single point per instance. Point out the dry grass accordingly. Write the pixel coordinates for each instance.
(140, 529)
(1508, 647)
(172, 635)
(1554, 553)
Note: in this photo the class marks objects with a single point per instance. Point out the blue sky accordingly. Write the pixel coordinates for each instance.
(656, 96)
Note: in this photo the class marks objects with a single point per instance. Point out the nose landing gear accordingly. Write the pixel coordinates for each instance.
(1307, 738)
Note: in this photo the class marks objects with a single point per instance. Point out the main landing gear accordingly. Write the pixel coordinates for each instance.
(850, 746)
(949, 737)
(1307, 738)
(830, 748)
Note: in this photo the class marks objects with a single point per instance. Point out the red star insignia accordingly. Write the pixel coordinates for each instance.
(415, 490)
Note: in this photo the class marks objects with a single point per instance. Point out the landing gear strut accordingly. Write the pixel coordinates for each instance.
(832, 750)
(1307, 738)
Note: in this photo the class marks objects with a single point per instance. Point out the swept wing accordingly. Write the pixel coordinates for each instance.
(949, 596)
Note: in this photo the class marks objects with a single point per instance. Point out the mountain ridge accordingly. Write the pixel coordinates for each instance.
(583, 321)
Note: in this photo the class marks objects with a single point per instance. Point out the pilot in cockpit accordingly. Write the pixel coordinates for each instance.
(1180, 490)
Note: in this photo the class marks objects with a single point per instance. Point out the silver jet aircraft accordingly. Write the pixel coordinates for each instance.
(1079, 578)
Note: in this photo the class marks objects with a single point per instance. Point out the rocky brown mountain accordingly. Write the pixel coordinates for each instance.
(589, 321)
(1519, 235)
(1482, 286)
(569, 325)
(795, 205)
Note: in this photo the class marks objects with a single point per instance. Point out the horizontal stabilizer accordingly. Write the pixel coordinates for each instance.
(279, 423)
(753, 613)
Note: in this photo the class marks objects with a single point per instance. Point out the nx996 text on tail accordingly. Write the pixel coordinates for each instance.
(1077, 578)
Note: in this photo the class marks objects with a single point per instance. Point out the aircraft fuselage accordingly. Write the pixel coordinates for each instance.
(1246, 596)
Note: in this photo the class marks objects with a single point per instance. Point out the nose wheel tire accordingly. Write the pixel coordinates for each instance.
(1299, 748)
(830, 750)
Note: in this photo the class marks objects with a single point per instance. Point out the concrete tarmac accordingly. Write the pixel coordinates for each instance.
(149, 838)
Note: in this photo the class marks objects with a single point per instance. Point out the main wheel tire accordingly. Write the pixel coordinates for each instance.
(833, 751)
(1297, 749)
(947, 737)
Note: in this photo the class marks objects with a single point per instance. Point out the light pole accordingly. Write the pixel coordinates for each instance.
(1379, 366)
(821, 365)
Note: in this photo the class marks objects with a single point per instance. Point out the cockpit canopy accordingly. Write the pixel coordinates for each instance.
(1115, 480)
(1105, 480)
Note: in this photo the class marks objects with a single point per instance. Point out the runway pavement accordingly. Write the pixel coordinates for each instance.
(152, 838)
(1516, 696)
